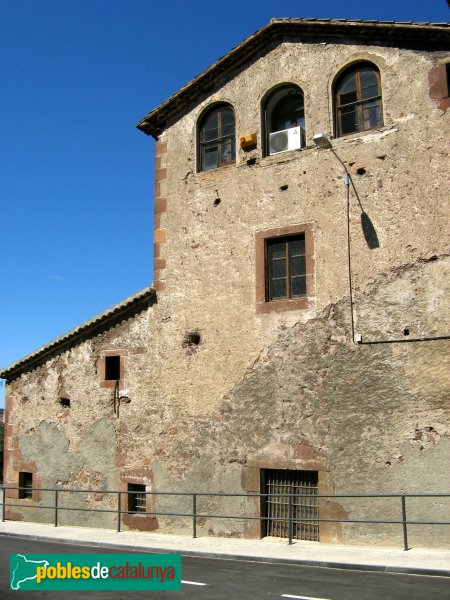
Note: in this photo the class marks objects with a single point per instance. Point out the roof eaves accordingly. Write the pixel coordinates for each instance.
(120, 309)
(153, 123)
(146, 124)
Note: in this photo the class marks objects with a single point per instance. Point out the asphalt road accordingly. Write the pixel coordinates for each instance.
(240, 580)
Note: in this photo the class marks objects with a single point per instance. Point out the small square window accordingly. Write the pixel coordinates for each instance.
(112, 368)
(137, 498)
(25, 485)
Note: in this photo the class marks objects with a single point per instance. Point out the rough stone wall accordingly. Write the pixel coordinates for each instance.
(276, 389)
(77, 446)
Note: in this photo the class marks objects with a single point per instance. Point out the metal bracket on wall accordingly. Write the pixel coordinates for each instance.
(116, 399)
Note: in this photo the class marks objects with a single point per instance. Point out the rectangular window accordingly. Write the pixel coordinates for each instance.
(278, 484)
(286, 267)
(25, 485)
(112, 368)
(137, 499)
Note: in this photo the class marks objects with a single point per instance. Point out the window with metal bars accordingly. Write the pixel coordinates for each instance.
(357, 98)
(278, 484)
(286, 267)
(217, 140)
(137, 499)
(25, 485)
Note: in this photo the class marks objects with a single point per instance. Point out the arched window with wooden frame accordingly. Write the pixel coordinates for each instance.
(284, 119)
(217, 138)
(357, 99)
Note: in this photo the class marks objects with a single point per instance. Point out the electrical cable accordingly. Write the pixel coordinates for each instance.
(360, 342)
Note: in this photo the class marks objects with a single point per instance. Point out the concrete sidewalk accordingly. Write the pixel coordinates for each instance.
(395, 560)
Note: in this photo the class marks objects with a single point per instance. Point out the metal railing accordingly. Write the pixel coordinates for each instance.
(194, 515)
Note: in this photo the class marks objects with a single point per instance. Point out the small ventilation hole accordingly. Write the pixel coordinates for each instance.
(192, 339)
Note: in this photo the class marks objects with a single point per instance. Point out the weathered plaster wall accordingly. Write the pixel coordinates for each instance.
(77, 446)
(360, 407)
(276, 389)
(209, 249)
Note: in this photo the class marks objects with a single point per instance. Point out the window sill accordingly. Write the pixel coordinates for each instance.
(365, 136)
(110, 384)
(140, 522)
(284, 305)
(213, 173)
(284, 156)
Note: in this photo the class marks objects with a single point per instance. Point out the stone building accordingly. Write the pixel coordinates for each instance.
(295, 336)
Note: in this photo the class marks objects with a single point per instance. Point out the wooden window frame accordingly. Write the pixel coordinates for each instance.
(221, 140)
(263, 304)
(287, 260)
(359, 102)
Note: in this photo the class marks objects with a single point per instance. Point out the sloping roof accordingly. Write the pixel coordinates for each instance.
(127, 307)
(403, 34)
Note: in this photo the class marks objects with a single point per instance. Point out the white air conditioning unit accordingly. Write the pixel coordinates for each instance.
(285, 140)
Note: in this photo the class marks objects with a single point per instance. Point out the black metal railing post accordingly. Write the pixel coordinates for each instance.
(56, 508)
(194, 515)
(118, 511)
(290, 524)
(404, 525)
(4, 505)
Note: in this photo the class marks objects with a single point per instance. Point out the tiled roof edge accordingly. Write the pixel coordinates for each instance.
(119, 309)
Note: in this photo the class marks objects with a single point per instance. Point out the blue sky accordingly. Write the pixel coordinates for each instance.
(76, 175)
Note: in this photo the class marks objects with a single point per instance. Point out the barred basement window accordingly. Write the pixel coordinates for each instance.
(137, 499)
(305, 509)
(112, 368)
(286, 267)
(25, 485)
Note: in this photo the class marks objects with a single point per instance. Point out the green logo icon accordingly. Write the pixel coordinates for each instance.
(95, 572)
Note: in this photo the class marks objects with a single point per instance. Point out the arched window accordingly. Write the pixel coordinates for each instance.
(284, 120)
(357, 99)
(217, 144)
